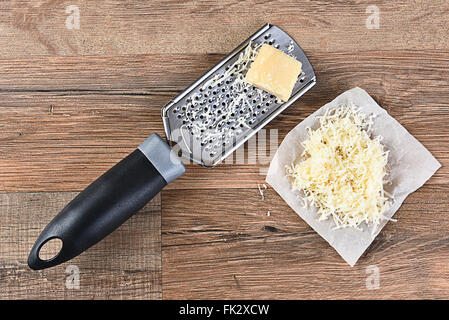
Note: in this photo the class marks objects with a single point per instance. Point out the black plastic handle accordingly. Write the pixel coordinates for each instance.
(102, 206)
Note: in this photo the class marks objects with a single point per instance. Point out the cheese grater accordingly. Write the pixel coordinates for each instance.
(205, 123)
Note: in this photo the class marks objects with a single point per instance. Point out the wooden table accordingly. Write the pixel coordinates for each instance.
(75, 101)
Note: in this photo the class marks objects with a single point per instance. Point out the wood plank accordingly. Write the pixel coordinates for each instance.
(226, 247)
(126, 265)
(140, 27)
(60, 116)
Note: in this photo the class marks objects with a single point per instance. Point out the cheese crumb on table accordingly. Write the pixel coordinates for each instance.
(261, 192)
(274, 71)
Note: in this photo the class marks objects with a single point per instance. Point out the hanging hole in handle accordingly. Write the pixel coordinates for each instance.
(50, 249)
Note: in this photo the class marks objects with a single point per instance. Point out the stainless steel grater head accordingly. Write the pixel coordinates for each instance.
(219, 112)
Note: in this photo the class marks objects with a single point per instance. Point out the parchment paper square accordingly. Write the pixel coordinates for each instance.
(410, 163)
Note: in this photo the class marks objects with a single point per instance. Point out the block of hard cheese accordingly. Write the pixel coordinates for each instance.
(274, 71)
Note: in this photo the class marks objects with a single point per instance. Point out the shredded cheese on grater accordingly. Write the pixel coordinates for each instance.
(212, 121)
(342, 170)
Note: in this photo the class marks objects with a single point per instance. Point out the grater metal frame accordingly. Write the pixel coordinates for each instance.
(305, 81)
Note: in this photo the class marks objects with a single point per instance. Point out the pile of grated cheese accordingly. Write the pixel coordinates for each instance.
(342, 170)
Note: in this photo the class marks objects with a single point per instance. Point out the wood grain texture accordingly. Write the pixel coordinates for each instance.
(141, 27)
(125, 265)
(60, 116)
(225, 246)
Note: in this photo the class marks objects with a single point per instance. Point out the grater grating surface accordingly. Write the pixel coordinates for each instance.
(219, 111)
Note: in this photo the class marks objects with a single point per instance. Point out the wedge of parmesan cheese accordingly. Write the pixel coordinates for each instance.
(274, 71)
(342, 170)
